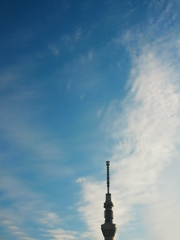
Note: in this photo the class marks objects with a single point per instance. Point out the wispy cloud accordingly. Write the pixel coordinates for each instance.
(54, 49)
(16, 231)
(50, 219)
(144, 131)
(28, 206)
(71, 40)
(77, 35)
(41, 157)
(22, 208)
(59, 234)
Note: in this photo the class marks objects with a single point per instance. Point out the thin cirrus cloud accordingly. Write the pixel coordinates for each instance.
(16, 231)
(29, 206)
(50, 219)
(144, 131)
(59, 234)
(24, 200)
(54, 49)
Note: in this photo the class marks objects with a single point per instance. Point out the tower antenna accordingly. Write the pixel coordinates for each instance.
(108, 183)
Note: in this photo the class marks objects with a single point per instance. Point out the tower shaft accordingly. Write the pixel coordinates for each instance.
(108, 228)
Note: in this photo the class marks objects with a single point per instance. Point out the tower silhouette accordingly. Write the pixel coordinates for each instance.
(108, 228)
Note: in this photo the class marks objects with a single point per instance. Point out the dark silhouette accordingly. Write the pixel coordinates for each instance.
(108, 228)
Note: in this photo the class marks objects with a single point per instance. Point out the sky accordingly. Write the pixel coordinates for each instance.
(81, 83)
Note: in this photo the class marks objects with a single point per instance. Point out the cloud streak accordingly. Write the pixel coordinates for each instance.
(53, 48)
(144, 131)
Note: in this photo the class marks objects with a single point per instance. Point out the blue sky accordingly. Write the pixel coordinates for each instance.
(83, 82)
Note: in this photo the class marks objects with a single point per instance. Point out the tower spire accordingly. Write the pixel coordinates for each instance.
(108, 228)
(108, 183)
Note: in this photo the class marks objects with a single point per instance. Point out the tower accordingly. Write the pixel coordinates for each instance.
(108, 228)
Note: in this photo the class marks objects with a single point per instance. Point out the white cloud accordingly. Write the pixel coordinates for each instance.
(50, 219)
(54, 49)
(99, 112)
(59, 234)
(27, 207)
(165, 211)
(78, 34)
(90, 205)
(145, 136)
(16, 231)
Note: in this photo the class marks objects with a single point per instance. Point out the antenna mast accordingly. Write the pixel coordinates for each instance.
(108, 183)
